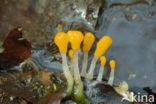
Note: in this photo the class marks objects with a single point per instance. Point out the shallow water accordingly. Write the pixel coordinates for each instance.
(134, 42)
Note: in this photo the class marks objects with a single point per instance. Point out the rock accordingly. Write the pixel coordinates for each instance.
(134, 43)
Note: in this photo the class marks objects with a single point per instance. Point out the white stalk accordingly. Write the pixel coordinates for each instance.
(92, 67)
(77, 76)
(111, 78)
(72, 68)
(85, 63)
(67, 73)
(100, 75)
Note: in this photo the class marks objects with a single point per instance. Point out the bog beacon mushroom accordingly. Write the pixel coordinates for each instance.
(61, 40)
(89, 39)
(103, 62)
(75, 38)
(111, 77)
(101, 47)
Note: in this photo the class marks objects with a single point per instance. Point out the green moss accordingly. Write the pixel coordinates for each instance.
(79, 96)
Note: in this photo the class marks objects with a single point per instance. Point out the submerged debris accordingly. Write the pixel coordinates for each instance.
(28, 86)
(54, 98)
(16, 49)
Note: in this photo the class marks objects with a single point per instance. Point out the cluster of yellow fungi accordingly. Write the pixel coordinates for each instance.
(72, 74)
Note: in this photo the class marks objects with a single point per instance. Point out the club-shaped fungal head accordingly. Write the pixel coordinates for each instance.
(61, 40)
(75, 38)
(103, 60)
(19, 29)
(71, 53)
(112, 64)
(89, 39)
(102, 45)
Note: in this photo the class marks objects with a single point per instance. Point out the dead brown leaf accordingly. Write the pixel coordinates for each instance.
(45, 78)
(54, 98)
(13, 89)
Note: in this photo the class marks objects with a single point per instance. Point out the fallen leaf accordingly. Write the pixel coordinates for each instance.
(18, 92)
(16, 49)
(54, 98)
(45, 78)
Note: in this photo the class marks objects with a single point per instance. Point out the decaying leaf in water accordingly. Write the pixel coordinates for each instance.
(16, 49)
(28, 86)
(54, 98)
(122, 89)
(23, 102)
(18, 92)
(45, 78)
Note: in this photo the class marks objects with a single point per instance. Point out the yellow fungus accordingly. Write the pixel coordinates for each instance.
(111, 77)
(75, 38)
(101, 47)
(103, 44)
(71, 53)
(103, 60)
(112, 64)
(87, 44)
(61, 40)
(89, 39)
(20, 29)
(60, 27)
